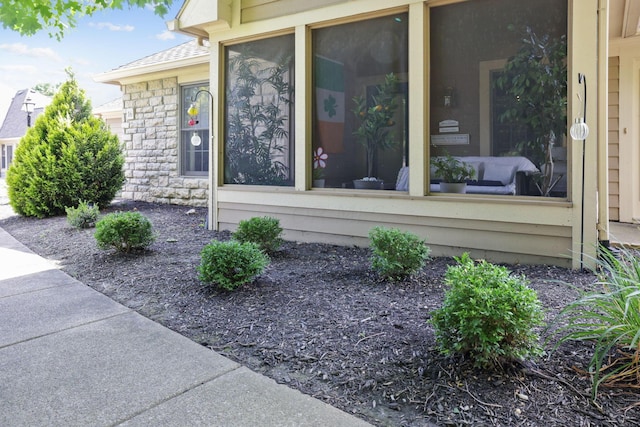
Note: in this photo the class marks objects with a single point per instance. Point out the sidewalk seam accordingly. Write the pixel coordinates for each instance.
(178, 394)
(128, 311)
(37, 290)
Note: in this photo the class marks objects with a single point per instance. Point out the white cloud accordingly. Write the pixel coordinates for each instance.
(36, 52)
(166, 35)
(81, 61)
(111, 27)
(19, 69)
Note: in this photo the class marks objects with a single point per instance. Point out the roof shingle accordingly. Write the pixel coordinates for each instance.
(190, 49)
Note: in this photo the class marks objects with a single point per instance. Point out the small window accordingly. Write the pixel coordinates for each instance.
(258, 146)
(194, 159)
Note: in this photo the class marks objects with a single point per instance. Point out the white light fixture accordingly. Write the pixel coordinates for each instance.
(195, 139)
(579, 129)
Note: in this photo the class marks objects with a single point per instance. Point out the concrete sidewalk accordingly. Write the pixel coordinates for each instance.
(70, 356)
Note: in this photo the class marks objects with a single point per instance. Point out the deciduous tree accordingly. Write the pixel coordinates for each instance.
(57, 16)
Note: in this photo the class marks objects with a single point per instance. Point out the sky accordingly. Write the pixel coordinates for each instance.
(96, 45)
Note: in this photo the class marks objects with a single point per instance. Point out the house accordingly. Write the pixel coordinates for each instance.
(237, 119)
(16, 122)
(111, 114)
(157, 167)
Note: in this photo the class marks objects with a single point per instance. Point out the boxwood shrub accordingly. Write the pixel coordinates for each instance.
(124, 231)
(231, 264)
(488, 314)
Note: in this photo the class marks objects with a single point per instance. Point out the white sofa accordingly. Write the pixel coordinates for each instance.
(494, 175)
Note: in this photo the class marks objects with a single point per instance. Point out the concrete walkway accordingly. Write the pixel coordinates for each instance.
(70, 356)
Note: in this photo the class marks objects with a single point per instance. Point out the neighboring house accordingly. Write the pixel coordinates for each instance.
(111, 114)
(283, 74)
(15, 123)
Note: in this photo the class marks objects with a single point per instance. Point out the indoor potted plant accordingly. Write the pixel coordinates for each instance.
(453, 173)
(376, 120)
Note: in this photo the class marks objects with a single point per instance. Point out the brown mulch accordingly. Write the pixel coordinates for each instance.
(320, 321)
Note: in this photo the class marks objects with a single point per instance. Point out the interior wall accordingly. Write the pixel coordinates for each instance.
(481, 34)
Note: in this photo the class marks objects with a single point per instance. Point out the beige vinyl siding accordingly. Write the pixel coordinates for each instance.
(535, 233)
(255, 10)
(614, 138)
(510, 229)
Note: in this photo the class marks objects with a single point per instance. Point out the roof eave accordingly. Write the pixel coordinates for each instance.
(116, 77)
(200, 31)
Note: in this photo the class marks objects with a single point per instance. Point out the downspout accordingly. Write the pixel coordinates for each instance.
(603, 129)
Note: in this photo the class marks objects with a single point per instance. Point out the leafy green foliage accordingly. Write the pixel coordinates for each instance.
(450, 169)
(231, 264)
(124, 232)
(47, 89)
(263, 231)
(609, 318)
(259, 95)
(376, 120)
(488, 314)
(30, 17)
(84, 215)
(536, 80)
(396, 254)
(67, 156)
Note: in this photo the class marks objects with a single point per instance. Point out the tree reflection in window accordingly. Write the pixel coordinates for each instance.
(259, 98)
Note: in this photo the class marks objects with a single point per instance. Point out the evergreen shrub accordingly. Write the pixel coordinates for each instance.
(263, 231)
(84, 215)
(488, 314)
(231, 264)
(68, 155)
(396, 254)
(124, 231)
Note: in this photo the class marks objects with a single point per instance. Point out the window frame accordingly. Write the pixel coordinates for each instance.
(224, 46)
(203, 132)
(486, 66)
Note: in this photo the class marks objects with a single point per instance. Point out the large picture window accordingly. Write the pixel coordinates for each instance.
(509, 124)
(194, 159)
(258, 146)
(360, 103)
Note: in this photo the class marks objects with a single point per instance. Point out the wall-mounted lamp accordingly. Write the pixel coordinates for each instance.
(580, 131)
(193, 116)
(448, 98)
(28, 107)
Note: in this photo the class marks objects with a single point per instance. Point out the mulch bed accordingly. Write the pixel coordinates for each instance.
(320, 321)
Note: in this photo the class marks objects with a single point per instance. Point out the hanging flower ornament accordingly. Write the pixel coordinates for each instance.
(192, 112)
(193, 115)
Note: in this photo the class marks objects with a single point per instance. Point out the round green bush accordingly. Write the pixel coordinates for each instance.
(124, 231)
(396, 254)
(263, 231)
(231, 264)
(488, 314)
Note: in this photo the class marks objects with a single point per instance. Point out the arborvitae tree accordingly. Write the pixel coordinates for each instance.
(68, 156)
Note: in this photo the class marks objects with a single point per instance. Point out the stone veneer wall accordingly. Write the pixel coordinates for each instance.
(151, 147)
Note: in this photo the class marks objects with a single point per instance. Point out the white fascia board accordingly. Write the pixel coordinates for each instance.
(117, 76)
